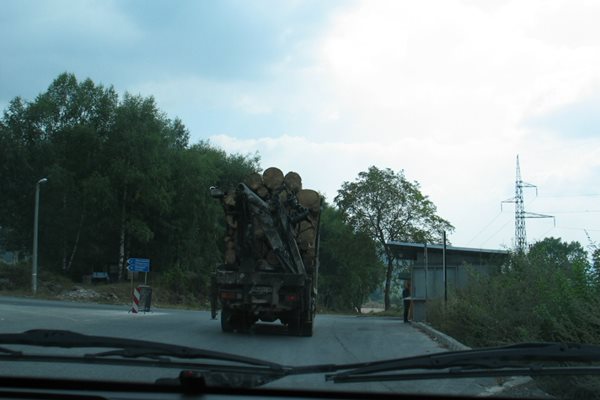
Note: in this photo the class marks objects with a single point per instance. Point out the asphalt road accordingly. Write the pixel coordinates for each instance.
(337, 339)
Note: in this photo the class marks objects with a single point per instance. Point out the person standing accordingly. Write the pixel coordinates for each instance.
(406, 300)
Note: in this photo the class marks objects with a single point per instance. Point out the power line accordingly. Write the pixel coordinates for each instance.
(543, 235)
(485, 227)
(577, 229)
(558, 196)
(574, 212)
(495, 233)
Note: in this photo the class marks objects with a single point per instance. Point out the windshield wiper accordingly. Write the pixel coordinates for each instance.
(239, 370)
(11, 352)
(521, 359)
(129, 348)
(232, 370)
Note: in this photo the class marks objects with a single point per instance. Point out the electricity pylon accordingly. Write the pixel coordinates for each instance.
(520, 213)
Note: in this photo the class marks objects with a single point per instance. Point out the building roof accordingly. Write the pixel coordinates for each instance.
(407, 248)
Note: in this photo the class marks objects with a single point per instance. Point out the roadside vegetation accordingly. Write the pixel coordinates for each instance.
(551, 293)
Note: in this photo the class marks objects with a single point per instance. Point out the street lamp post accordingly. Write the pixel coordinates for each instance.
(35, 234)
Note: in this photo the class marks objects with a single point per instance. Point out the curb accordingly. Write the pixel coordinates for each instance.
(455, 345)
(450, 342)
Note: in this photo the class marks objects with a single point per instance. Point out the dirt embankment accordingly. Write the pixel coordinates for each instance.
(102, 293)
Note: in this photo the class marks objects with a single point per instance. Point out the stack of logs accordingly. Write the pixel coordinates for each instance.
(272, 186)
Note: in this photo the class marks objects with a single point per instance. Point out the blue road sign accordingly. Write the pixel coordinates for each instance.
(138, 264)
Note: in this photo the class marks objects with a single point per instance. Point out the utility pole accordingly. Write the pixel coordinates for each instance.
(445, 267)
(34, 267)
(520, 213)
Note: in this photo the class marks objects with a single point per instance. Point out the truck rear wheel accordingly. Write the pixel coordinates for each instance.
(226, 320)
(298, 325)
(307, 329)
(243, 323)
(294, 323)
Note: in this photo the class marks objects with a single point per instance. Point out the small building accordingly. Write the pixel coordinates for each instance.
(426, 269)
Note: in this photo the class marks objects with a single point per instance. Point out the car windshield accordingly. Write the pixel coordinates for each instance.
(304, 183)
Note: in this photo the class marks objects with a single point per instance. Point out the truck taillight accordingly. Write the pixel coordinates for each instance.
(228, 295)
(291, 297)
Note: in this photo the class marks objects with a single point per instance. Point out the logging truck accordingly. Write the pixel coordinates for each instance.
(271, 254)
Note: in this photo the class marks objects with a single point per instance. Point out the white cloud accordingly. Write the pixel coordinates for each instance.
(447, 68)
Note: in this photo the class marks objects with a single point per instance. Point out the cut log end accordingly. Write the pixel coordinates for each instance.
(293, 182)
(309, 199)
(273, 178)
(254, 181)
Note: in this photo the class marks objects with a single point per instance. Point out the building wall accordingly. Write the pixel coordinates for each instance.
(427, 278)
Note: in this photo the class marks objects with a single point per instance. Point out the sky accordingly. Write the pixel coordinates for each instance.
(449, 92)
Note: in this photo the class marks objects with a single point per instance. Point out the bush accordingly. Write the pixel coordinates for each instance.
(15, 277)
(181, 286)
(532, 299)
(522, 304)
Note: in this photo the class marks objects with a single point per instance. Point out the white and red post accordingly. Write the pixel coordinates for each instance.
(136, 300)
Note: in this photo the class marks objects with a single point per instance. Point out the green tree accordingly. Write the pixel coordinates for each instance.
(194, 230)
(571, 262)
(350, 269)
(138, 154)
(123, 182)
(388, 207)
(594, 269)
(58, 136)
(596, 265)
(554, 253)
(17, 176)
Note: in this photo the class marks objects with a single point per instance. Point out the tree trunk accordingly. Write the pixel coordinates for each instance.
(388, 283)
(122, 238)
(76, 244)
(64, 237)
